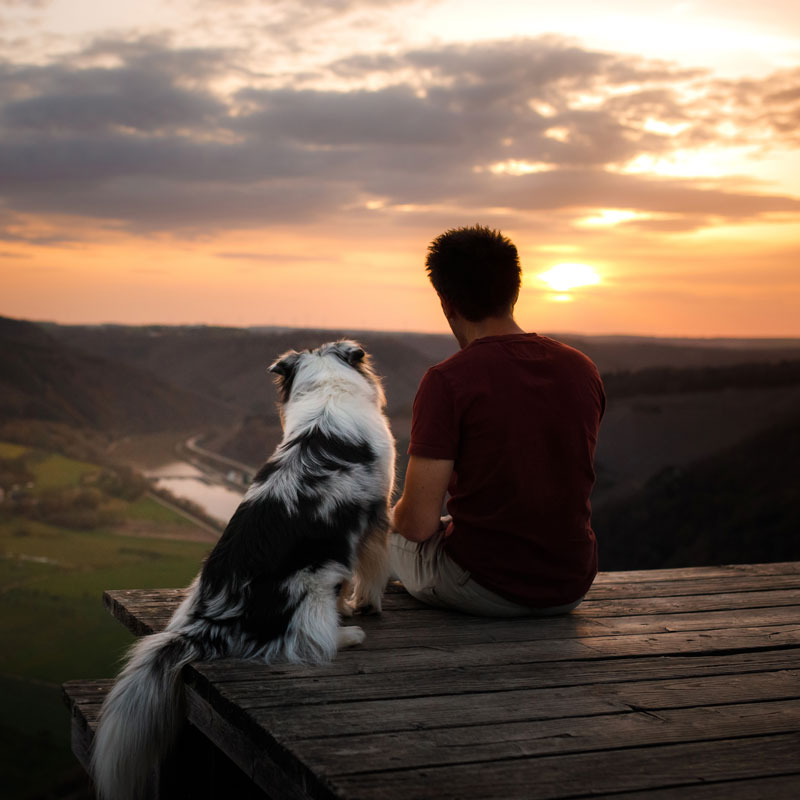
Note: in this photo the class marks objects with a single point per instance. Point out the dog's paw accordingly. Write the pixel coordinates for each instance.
(367, 606)
(345, 607)
(351, 636)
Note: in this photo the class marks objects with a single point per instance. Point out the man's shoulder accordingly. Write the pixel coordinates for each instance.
(568, 352)
(490, 348)
(511, 362)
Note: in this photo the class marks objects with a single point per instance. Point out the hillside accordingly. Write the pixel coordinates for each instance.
(229, 364)
(644, 433)
(42, 378)
(670, 401)
(75, 529)
(672, 404)
(632, 353)
(672, 380)
(737, 506)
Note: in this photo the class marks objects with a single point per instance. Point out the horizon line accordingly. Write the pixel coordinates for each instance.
(400, 332)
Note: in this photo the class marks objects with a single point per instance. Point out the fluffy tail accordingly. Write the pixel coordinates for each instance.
(141, 715)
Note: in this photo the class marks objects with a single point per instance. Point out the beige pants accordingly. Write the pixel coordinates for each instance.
(431, 576)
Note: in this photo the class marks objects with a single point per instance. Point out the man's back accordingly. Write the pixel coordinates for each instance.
(519, 416)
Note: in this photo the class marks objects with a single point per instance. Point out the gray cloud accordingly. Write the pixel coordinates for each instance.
(150, 143)
(598, 188)
(122, 98)
(158, 205)
(386, 117)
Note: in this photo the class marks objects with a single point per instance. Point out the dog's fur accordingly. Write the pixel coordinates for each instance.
(315, 515)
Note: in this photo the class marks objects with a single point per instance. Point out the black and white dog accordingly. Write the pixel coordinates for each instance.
(273, 587)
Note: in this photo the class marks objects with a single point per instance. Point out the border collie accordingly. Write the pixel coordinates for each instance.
(273, 587)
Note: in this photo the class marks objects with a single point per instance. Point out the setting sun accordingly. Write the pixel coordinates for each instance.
(174, 167)
(563, 277)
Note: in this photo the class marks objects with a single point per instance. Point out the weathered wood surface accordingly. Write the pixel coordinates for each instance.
(663, 684)
(84, 699)
(195, 770)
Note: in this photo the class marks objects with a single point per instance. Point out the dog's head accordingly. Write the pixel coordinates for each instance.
(344, 364)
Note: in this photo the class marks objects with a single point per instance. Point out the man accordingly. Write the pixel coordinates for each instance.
(508, 425)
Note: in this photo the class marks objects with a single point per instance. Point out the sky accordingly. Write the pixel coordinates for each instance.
(233, 162)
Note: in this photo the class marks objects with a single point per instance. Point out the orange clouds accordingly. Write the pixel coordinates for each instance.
(146, 179)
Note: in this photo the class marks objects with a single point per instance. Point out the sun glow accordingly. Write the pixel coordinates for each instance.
(611, 216)
(563, 277)
(517, 167)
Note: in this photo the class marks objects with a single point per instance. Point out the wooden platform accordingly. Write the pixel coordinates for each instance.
(663, 684)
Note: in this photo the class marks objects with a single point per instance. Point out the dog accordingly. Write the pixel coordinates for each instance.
(307, 544)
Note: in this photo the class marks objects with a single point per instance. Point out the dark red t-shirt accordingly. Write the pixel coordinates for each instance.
(519, 415)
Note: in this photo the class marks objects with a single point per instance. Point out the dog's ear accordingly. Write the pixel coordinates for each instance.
(285, 365)
(284, 370)
(352, 352)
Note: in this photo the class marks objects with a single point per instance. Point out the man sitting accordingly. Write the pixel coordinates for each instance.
(508, 426)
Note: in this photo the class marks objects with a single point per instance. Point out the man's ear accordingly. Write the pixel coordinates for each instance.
(447, 307)
(285, 364)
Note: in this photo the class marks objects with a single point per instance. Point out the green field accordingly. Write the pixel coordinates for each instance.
(8, 450)
(52, 623)
(147, 509)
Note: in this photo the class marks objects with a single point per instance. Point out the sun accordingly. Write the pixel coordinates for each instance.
(563, 277)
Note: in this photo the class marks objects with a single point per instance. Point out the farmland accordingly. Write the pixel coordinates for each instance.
(52, 622)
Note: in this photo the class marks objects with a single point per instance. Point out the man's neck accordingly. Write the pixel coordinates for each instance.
(491, 326)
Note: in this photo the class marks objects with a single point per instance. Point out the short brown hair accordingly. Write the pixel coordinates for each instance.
(476, 269)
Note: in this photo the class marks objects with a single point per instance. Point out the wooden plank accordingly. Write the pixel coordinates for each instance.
(694, 573)
(551, 777)
(741, 582)
(336, 683)
(547, 662)
(84, 700)
(409, 611)
(386, 633)
(785, 787)
(489, 655)
(278, 712)
(256, 754)
(598, 606)
(146, 611)
(698, 620)
(688, 603)
(343, 755)
(141, 613)
(556, 632)
(443, 629)
(83, 692)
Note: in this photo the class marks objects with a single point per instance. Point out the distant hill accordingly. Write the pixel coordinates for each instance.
(229, 364)
(737, 506)
(620, 353)
(641, 434)
(692, 459)
(42, 378)
(672, 380)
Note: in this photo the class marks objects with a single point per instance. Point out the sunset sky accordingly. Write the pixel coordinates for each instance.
(287, 163)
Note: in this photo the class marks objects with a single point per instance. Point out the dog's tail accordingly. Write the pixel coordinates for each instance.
(140, 717)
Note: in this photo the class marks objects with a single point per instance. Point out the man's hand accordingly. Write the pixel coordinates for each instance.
(417, 514)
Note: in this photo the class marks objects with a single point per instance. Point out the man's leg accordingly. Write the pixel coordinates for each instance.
(432, 577)
(416, 565)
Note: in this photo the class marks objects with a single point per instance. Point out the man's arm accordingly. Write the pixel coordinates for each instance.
(418, 512)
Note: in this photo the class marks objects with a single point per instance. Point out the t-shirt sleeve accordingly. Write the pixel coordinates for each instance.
(434, 421)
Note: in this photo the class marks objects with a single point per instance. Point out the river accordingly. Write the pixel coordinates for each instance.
(187, 481)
